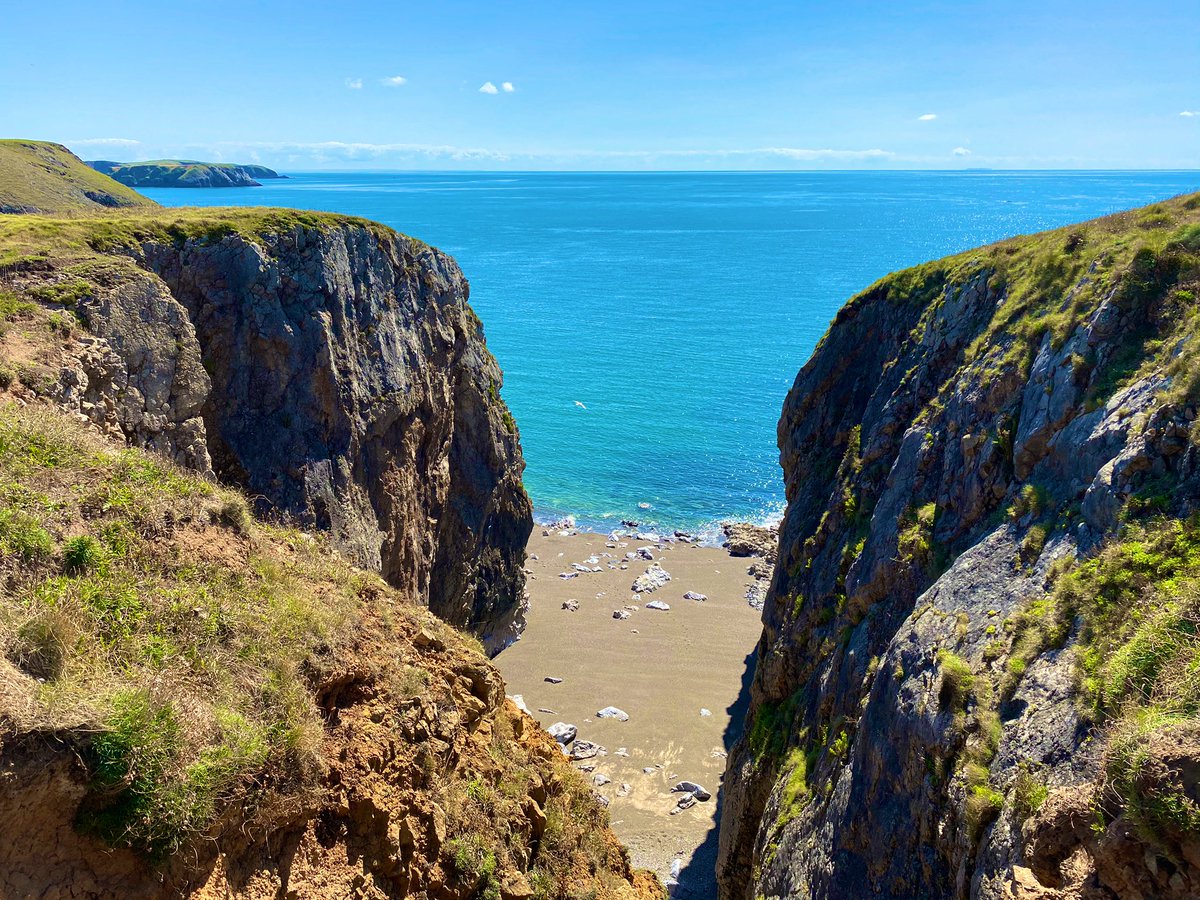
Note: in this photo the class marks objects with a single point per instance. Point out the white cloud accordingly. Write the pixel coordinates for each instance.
(928, 117)
(1189, 113)
(394, 81)
(103, 142)
(507, 87)
(961, 151)
(488, 88)
(355, 84)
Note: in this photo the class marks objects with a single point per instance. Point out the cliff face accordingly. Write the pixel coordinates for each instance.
(991, 473)
(332, 369)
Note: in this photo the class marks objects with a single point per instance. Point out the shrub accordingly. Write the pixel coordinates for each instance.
(43, 644)
(1030, 500)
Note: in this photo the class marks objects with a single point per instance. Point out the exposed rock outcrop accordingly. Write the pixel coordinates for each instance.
(962, 435)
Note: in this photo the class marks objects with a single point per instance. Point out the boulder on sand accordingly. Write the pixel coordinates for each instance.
(652, 579)
(612, 712)
(562, 732)
(744, 539)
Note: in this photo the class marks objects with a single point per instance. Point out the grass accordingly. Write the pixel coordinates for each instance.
(37, 176)
(164, 653)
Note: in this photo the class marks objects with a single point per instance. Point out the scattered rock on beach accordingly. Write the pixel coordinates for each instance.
(612, 712)
(562, 732)
(624, 790)
(705, 713)
(568, 575)
(658, 604)
(695, 595)
(643, 553)
(756, 595)
(600, 780)
(552, 679)
(571, 605)
(690, 787)
(586, 750)
(620, 614)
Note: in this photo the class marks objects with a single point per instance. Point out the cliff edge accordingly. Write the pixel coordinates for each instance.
(328, 366)
(977, 670)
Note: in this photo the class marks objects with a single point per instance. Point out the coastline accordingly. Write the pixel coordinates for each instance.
(591, 643)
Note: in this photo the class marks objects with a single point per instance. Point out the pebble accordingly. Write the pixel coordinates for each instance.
(612, 712)
(657, 604)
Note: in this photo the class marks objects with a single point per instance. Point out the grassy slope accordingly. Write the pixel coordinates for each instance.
(37, 176)
(182, 647)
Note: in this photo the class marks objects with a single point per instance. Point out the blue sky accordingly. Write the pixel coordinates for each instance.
(612, 85)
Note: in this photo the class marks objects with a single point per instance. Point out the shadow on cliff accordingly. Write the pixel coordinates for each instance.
(698, 879)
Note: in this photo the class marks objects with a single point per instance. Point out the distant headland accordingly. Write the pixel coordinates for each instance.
(183, 173)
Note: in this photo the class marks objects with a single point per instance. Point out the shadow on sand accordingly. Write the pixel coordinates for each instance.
(698, 877)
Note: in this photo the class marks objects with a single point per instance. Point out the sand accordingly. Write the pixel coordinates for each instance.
(662, 668)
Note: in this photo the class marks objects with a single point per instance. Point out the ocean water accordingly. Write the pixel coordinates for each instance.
(650, 325)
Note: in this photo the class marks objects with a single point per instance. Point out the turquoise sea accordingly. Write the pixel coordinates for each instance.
(649, 325)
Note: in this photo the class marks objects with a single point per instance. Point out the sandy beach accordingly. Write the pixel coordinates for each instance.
(677, 673)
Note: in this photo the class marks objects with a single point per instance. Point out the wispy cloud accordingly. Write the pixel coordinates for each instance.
(333, 151)
(355, 84)
(488, 88)
(928, 117)
(507, 87)
(961, 151)
(1189, 113)
(394, 81)
(103, 142)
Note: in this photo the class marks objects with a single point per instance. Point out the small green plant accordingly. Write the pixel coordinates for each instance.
(982, 808)
(83, 554)
(1029, 792)
(957, 681)
(22, 536)
(1031, 500)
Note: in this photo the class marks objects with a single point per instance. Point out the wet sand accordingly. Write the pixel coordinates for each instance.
(660, 667)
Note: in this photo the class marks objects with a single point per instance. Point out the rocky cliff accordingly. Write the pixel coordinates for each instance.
(183, 173)
(328, 366)
(977, 674)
